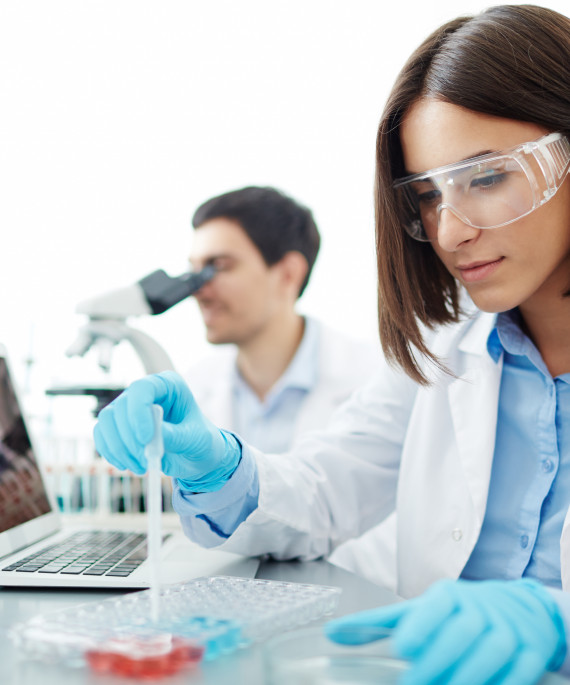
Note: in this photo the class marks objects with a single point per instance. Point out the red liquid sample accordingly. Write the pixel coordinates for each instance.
(144, 659)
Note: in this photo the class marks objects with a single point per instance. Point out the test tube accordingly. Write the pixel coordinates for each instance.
(153, 452)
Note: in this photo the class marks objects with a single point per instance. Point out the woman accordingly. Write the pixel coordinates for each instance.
(466, 435)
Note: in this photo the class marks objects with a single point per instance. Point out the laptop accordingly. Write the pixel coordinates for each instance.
(38, 550)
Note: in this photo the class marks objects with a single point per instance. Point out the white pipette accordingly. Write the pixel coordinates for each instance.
(153, 452)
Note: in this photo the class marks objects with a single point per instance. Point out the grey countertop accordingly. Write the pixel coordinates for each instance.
(243, 666)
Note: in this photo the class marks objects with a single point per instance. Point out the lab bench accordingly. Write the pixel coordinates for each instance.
(242, 666)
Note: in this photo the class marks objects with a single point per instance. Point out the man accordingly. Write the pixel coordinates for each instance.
(278, 373)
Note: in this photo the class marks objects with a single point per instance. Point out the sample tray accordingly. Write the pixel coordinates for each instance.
(219, 614)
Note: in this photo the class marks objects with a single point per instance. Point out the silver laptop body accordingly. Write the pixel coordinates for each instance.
(30, 522)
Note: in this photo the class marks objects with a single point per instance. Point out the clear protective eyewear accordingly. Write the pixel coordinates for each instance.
(488, 191)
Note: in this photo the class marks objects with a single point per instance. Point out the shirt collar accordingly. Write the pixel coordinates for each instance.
(508, 336)
(302, 371)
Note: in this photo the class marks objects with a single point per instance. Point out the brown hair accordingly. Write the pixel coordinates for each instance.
(511, 61)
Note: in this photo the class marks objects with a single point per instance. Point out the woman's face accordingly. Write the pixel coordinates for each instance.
(522, 264)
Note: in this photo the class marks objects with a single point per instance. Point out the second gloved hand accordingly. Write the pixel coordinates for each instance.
(198, 454)
(468, 633)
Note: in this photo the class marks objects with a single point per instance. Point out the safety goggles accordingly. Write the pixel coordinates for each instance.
(489, 191)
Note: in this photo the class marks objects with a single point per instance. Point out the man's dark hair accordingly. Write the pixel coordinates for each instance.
(275, 223)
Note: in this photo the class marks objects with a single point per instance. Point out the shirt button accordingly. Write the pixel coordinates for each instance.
(457, 534)
(547, 465)
(524, 541)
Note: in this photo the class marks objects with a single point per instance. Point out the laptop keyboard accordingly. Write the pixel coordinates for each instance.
(88, 553)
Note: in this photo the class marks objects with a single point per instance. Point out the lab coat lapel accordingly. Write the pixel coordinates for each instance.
(333, 384)
(318, 407)
(226, 406)
(219, 400)
(473, 400)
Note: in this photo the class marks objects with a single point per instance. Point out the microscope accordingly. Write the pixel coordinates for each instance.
(107, 325)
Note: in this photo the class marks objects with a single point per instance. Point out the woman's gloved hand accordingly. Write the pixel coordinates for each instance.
(469, 632)
(198, 454)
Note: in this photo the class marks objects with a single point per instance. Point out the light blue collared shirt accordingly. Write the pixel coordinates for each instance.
(521, 532)
(529, 493)
(269, 423)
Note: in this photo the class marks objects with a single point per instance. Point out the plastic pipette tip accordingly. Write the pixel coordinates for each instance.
(145, 658)
(153, 452)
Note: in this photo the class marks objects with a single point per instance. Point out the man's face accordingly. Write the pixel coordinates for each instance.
(244, 295)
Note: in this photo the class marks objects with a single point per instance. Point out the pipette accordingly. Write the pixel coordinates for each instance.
(153, 453)
(155, 654)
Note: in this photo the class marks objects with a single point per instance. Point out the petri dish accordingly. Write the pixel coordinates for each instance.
(307, 657)
(144, 658)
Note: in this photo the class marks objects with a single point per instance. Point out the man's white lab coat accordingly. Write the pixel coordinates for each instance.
(344, 364)
(425, 452)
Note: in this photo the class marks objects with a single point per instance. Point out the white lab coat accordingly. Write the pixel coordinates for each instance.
(425, 452)
(344, 364)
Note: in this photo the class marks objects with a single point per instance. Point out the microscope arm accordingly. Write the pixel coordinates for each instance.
(107, 313)
(105, 334)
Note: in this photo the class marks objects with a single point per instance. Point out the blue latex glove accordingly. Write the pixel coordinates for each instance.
(198, 454)
(469, 633)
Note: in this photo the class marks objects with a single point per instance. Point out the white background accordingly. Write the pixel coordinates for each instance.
(119, 117)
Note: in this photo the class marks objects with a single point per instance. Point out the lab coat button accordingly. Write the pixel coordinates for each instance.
(457, 534)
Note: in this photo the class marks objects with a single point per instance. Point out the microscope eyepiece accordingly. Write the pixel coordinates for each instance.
(163, 291)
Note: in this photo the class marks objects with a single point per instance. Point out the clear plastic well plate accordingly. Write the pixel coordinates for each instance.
(216, 615)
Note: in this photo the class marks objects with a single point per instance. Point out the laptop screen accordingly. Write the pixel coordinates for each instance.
(22, 492)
